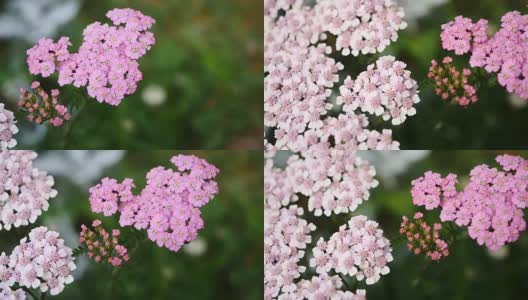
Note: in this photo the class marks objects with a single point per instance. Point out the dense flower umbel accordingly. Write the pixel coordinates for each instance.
(343, 180)
(300, 75)
(103, 246)
(385, 89)
(430, 189)
(41, 107)
(42, 262)
(24, 190)
(8, 128)
(490, 205)
(107, 61)
(361, 26)
(451, 84)
(286, 235)
(335, 180)
(323, 287)
(423, 238)
(359, 250)
(504, 53)
(169, 205)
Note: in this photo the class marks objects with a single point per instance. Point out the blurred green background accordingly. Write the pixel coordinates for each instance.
(201, 86)
(225, 262)
(469, 272)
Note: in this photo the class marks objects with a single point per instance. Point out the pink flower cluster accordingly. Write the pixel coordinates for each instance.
(430, 189)
(106, 197)
(343, 180)
(40, 262)
(41, 108)
(286, 235)
(279, 192)
(168, 207)
(300, 74)
(8, 294)
(296, 89)
(24, 190)
(385, 89)
(323, 287)
(423, 238)
(103, 246)
(504, 53)
(452, 84)
(107, 60)
(462, 35)
(361, 26)
(490, 205)
(8, 128)
(359, 250)
(335, 180)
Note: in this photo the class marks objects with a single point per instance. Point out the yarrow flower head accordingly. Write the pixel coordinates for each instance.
(103, 246)
(42, 262)
(335, 180)
(430, 189)
(385, 89)
(286, 235)
(168, 207)
(300, 75)
(490, 205)
(423, 238)
(24, 190)
(41, 107)
(452, 84)
(358, 250)
(8, 128)
(361, 26)
(462, 35)
(504, 53)
(323, 287)
(107, 60)
(106, 196)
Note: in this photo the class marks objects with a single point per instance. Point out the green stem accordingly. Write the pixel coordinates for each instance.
(25, 289)
(344, 282)
(43, 296)
(115, 272)
(72, 122)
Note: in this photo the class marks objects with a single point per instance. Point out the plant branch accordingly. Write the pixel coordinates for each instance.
(344, 282)
(25, 289)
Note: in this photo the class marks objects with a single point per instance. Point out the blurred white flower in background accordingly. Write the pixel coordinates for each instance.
(500, 254)
(196, 247)
(34, 19)
(390, 164)
(415, 9)
(83, 167)
(517, 102)
(154, 95)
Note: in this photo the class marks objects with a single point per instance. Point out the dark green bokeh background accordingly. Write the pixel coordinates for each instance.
(230, 268)
(469, 272)
(208, 58)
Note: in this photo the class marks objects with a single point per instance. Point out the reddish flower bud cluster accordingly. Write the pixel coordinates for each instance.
(422, 238)
(452, 84)
(103, 246)
(41, 107)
